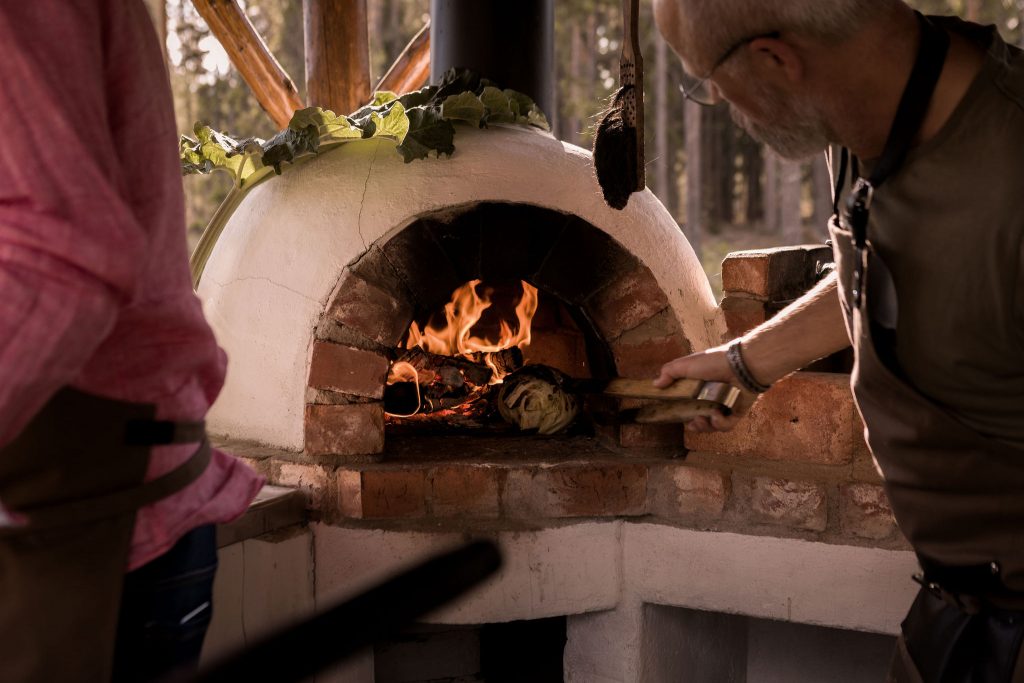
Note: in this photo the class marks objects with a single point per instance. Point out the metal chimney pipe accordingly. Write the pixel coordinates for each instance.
(511, 43)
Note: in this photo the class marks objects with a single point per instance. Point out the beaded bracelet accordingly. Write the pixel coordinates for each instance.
(739, 368)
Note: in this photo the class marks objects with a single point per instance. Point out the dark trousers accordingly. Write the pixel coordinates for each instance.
(165, 610)
(942, 644)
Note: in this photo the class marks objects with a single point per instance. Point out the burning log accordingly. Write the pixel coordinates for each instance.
(505, 361)
(425, 362)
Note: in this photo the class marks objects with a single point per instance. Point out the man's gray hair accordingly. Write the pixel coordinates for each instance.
(711, 26)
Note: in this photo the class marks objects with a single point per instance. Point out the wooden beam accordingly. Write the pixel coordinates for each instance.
(412, 68)
(273, 88)
(337, 54)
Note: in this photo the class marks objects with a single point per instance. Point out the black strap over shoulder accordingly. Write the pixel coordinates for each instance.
(913, 107)
(917, 96)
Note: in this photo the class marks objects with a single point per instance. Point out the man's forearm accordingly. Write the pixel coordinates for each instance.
(808, 329)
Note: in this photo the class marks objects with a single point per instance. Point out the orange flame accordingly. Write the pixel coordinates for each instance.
(455, 338)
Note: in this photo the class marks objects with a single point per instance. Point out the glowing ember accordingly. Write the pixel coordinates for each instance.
(455, 336)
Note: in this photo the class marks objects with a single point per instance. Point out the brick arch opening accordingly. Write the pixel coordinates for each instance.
(613, 302)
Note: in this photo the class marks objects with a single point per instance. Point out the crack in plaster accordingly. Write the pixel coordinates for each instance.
(362, 200)
(225, 285)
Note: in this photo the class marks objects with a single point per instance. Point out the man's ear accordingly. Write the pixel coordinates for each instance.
(777, 61)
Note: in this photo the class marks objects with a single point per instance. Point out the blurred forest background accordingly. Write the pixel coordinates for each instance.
(724, 189)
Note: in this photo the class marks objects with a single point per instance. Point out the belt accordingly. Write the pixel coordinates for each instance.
(970, 588)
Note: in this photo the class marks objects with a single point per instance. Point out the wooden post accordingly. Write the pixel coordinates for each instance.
(412, 68)
(273, 89)
(337, 54)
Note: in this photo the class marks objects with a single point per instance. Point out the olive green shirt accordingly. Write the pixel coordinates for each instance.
(949, 224)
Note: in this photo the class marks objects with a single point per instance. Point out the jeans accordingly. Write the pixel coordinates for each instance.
(166, 607)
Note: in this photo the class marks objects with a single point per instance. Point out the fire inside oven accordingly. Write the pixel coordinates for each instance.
(492, 359)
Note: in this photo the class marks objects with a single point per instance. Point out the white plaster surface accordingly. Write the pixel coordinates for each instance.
(864, 589)
(262, 584)
(282, 252)
(546, 573)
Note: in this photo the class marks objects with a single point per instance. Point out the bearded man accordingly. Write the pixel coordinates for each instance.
(928, 235)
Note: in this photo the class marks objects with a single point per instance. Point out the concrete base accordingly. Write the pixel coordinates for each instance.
(622, 585)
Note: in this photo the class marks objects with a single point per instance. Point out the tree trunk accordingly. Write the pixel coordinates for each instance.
(753, 167)
(770, 192)
(726, 168)
(337, 54)
(822, 192)
(662, 180)
(790, 192)
(694, 227)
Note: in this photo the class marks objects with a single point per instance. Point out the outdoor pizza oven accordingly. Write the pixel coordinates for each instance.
(354, 274)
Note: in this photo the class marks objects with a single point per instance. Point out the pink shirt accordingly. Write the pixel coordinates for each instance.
(94, 283)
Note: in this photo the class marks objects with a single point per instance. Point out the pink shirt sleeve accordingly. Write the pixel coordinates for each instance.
(69, 245)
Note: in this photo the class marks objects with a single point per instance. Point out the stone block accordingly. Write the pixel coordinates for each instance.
(807, 417)
(591, 490)
(351, 371)
(864, 511)
(679, 491)
(626, 302)
(315, 480)
(463, 491)
(382, 493)
(356, 429)
(776, 274)
(782, 502)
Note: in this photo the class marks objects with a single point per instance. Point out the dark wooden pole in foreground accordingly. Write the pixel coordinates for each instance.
(337, 54)
(273, 89)
(412, 68)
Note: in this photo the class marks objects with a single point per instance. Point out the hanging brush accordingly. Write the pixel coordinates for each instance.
(619, 142)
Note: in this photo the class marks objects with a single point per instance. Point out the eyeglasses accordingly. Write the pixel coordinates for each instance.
(699, 90)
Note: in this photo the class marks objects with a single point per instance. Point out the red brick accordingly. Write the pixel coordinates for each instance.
(562, 349)
(640, 353)
(742, 314)
(626, 302)
(652, 436)
(775, 274)
(382, 493)
(595, 490)
(355, 429)
(807, 417)
(746, 272)
(314, 480)
(352, 371)
(864, 511)
(795, 504)
(463, 491)
(679, 491)
(370, 310)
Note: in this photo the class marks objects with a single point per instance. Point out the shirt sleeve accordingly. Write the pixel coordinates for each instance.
(70, 245)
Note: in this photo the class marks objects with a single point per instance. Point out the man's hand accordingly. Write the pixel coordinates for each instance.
(709, 365)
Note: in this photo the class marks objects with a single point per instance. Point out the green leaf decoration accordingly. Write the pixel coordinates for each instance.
(463, 107)
(420, 122)
(499, 110)
(382, 97)
(394, 124)
(428, 132)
